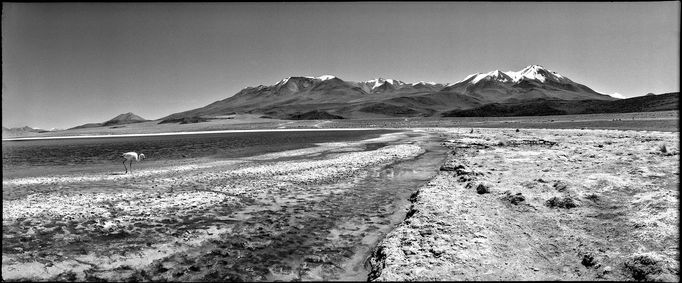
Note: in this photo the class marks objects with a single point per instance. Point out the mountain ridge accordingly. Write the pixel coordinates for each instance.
(395, 98)
(121, 119)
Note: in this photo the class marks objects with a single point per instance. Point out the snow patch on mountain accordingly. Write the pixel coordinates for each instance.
(532, 72)
(380, 81)
(537, 73)
(617, 95)
(423, 83)
(323, 77)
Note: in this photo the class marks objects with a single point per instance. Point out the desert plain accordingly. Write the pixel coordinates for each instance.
(507, 199)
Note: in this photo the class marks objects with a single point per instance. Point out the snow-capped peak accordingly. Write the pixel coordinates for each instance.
(532, 72)
(380, 81)
(323, 77)
(539, 73)
(494, 75)
(283, 81)
(423, 83)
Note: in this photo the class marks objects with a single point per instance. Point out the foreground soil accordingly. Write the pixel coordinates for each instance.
(542, 205)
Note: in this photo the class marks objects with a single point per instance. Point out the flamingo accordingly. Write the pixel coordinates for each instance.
(130, 156)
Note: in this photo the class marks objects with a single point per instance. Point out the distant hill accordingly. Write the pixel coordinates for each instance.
(647, 103)
(21, 131)
(126, 118)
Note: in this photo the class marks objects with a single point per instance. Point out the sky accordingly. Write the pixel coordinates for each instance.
(67, 64)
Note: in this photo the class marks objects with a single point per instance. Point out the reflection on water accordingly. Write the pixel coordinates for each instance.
(328, 232)
(89, 152)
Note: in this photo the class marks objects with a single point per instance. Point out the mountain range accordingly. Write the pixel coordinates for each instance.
(531, 91)
(300, 96)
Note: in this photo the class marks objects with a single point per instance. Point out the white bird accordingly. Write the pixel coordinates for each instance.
(130, 156)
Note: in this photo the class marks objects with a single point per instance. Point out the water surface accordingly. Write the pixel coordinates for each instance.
(35, 157)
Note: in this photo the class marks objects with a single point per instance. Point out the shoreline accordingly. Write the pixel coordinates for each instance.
(667, 121)
(198, 133)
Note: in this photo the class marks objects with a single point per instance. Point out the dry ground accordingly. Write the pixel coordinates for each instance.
(543, 205)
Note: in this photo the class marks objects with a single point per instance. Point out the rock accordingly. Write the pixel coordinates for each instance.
(566, 202)
(314, 259)
(482, 189)
(560, 186)
(643, 268)
(589, 260)
(451, 167)
(464, 178)
(514, 199)
(462, 171)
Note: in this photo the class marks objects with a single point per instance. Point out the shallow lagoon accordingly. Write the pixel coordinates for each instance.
(35, 157)
(318, 219)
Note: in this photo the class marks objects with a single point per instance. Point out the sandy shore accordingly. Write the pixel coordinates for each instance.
(115, 135)
(542, 205)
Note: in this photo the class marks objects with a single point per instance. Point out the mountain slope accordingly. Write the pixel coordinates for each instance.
(667, 101)
(530, 83)
(122, 119)
(126, 118)
(394, 98)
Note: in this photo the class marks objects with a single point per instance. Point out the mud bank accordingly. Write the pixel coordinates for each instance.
(304, 214)
(542, 205)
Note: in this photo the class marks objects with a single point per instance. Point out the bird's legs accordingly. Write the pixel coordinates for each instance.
(131, 167)
(124, 165)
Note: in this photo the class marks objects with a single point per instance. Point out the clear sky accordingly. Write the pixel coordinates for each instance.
(66, 64)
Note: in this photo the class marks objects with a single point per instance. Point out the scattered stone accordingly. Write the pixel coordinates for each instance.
(607, 269)
(566, 202)
(448, 168)
(663, 149)
(464, 178)
(560, 186)
(589, 260)
(514, 199)
(643, 268)
(593, 197)
(482, 189)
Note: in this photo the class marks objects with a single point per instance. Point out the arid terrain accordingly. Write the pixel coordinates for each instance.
(424, 203)
(542, 205)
